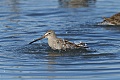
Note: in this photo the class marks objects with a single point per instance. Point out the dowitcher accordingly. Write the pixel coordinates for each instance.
(113, 20)
(60, 44)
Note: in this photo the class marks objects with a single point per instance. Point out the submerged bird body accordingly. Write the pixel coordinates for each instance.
(58, 43)
(113, 20)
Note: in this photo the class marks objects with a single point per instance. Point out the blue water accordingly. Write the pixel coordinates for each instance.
(21, 21)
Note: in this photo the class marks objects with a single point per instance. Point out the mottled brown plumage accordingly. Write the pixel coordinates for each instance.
(58, 43)
(113, 20)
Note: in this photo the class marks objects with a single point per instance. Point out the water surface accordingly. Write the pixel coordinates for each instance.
(21, 21)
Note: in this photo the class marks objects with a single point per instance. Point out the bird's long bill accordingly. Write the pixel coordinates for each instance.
(37, 39)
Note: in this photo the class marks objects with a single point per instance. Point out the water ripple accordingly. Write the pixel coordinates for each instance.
(23, 20)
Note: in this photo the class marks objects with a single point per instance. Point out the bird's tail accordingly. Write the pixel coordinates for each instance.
(84, 45)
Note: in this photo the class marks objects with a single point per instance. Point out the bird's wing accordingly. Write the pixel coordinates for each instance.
(115, 16)
(65, 44)
(115, 19)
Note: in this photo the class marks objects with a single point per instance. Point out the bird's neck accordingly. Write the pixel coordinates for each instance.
(52, 41)
(52, 38)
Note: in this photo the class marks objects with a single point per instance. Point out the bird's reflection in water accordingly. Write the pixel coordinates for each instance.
(67, 53)
(111, 27)
(76, 3)
(60, 59)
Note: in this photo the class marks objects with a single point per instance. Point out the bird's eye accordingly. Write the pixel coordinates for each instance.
(48, 33)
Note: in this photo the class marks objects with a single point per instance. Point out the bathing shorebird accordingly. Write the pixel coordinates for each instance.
(113, 20)
(60, 44)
